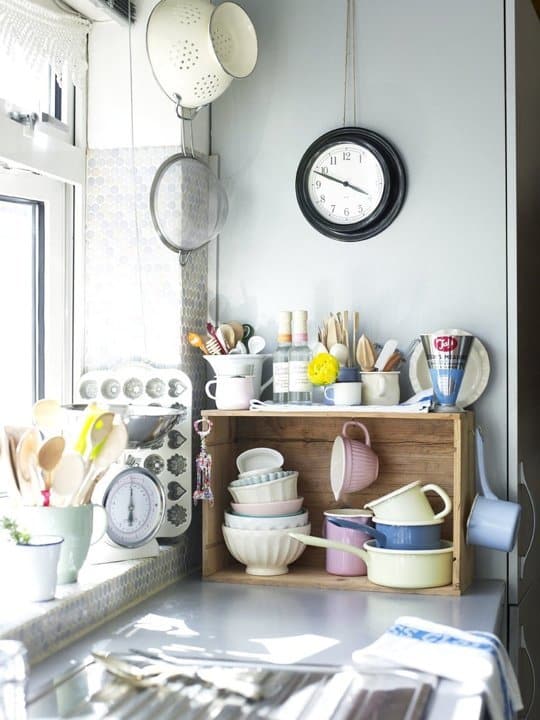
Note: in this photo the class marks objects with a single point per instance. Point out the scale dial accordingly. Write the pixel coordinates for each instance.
(135, 506)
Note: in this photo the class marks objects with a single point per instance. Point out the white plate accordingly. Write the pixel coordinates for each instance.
(475, 377)
(258, 459)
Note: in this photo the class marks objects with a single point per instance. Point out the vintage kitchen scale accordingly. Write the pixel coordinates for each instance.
(147, 493)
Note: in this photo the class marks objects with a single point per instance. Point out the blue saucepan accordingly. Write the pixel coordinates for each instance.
(424, 535)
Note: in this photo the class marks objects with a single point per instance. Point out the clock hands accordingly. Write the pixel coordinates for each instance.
(345, 183)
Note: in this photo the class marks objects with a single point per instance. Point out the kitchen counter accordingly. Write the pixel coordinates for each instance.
(280, 625)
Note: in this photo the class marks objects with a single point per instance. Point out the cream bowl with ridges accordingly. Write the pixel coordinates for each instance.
(284, 488)
(274, 522)
(264, 552)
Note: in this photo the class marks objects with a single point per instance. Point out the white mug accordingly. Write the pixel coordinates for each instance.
(344, 393)
(232, 393)
(380, 388)
(409, 504)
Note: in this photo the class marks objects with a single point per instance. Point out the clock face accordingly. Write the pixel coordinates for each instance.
(346, 183)
(135, 506)
(350, 184)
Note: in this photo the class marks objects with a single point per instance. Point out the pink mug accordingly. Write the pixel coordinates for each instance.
(339, 562)
(353, 464)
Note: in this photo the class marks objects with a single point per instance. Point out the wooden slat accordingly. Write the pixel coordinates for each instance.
(431, 448)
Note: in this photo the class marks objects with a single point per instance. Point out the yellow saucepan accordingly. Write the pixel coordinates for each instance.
(396, 568)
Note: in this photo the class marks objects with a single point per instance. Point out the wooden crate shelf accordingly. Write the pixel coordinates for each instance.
(430, 447)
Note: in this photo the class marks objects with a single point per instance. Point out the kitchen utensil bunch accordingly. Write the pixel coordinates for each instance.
(52, 463)
(266, 506)
(339, 334)
(229, 338)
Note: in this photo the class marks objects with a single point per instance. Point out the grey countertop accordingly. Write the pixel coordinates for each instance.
(281, 625)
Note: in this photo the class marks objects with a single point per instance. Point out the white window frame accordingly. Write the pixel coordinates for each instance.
(59, 155)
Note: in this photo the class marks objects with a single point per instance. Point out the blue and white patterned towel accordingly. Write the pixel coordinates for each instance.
(478, 660)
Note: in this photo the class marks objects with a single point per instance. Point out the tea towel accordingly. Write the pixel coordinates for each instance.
(476, 659)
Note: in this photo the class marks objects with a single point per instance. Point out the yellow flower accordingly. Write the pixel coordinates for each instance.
(323, 369)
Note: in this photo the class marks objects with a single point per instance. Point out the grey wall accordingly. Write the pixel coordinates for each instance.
(430, 78)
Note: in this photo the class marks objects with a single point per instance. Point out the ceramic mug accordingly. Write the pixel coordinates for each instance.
(339, 562)
(229, 365)
(380, 388)
(344, 393)
(410, 504)
(79, 525)
(353, 464)
(232, 393)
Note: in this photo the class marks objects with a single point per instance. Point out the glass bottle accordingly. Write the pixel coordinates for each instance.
(300, 388)
(280, 360)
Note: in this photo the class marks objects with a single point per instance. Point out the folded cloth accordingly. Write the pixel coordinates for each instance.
(476, 659)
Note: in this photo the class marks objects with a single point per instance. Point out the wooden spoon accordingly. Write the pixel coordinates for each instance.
(48, 457)
(47, 415)
(27, 471)
(196, 341)
(68, 476)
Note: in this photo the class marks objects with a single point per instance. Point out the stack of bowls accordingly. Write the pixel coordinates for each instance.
(266, 507)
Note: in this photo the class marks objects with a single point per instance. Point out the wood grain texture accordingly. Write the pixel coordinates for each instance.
(431, 448)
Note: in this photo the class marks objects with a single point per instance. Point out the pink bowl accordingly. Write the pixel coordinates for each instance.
(281, 507)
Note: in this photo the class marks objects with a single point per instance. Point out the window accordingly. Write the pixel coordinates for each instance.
(35, 292)
(42, 175)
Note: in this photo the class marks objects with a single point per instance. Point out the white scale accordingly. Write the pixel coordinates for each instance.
(147, 494)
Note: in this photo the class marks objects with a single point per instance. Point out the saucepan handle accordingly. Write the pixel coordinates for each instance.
(368, 529)
(331, 544)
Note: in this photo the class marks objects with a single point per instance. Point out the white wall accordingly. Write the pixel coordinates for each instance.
(430, 78)
(155, 121)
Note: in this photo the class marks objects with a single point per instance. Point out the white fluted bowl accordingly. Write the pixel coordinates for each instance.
(274, 522)
(283, 488)
(264, 552)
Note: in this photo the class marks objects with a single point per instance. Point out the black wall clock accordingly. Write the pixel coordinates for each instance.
(350, 184)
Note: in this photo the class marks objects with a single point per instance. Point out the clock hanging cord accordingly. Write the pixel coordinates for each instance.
(350, 61)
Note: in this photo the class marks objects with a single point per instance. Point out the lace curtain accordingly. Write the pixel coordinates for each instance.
(47, 37)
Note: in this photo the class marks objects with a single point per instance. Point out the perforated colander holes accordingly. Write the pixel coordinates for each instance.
(187, 14)
(222, 42)
(184, 55)
(206, 86)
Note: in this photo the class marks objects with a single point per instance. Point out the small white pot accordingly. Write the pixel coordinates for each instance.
(37, 567)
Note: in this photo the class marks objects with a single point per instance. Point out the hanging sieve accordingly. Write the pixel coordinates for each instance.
(195, 49)
(188, 203)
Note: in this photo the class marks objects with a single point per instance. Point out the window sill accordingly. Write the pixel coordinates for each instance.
(102, 592)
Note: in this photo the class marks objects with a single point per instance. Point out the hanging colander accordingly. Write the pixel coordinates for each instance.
(188, 203)
(195, 49)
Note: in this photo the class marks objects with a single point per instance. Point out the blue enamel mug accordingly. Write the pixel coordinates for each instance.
(425, 535)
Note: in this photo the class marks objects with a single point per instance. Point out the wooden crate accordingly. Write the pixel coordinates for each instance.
(430, 447)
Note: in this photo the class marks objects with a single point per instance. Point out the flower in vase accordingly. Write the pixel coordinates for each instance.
(323, 369)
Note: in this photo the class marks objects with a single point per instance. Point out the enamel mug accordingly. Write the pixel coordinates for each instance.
(232, 393)
(410, 504)
(339, 562)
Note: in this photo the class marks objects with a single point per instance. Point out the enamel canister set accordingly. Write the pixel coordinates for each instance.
(396, 539)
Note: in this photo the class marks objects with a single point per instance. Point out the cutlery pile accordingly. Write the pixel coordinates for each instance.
(351, 349)
(51, 464)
